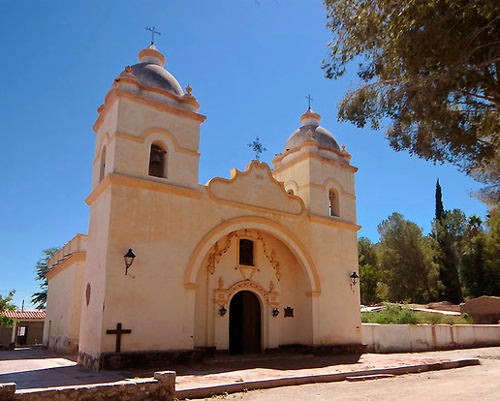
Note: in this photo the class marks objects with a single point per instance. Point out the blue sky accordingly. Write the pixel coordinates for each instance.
(250, 63)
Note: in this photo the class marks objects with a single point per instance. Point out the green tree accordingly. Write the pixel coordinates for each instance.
(480, 270)
(407, 261)
(439, 201)
(39, 299)
(428, 69)
(5, 305)
(450, 232)
(369, 272)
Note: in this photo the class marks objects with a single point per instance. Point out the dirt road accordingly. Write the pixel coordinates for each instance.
(481, 383)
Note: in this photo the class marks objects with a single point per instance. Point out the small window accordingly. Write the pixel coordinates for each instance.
(157, 161)
(102, 169)
(246, 252)
(333, 203)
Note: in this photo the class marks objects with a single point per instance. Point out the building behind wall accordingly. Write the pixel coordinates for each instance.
(242, 265)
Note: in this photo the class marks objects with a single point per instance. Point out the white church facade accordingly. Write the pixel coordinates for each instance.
(264, 260)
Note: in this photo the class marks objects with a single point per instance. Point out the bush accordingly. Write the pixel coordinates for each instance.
(395, 314)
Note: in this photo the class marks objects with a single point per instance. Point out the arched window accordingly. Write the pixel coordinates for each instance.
(333, 203)
(102, 168)
(246, 252)
(157, 163)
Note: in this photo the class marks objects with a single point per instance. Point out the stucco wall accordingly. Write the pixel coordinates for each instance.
(386, 338)
(62, 323)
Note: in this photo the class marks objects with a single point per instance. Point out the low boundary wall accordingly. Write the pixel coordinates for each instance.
(160, 388)
(387, 338)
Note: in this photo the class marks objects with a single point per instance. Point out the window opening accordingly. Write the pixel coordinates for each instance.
(157, 161)
(333, 208)
(246, 252)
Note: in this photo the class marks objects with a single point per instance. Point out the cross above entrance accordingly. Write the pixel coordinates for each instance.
(118, 331)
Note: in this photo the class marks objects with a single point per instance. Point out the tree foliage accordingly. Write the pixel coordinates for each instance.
(5, 305)
(39, 299)
(407, 261)
(430, 69)
(369, 272)
(480, 268)
(450, 231)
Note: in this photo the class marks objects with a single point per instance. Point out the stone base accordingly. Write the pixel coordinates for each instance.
(155, 359)
(323, 350)
(140, 359)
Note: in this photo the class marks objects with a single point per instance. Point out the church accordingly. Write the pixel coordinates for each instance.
(265, 260)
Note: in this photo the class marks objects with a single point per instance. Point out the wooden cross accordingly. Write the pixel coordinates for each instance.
(309, 98)
(118, 331)
(153, 30)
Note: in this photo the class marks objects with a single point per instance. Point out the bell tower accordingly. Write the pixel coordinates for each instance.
(314, 167)
(148, 127)
(146, 159)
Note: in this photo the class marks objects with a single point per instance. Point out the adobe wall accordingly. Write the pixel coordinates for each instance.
(161, 388)
(387, 338)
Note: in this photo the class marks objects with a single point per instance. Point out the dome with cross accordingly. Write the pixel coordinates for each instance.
(311, 131)
(150, 71)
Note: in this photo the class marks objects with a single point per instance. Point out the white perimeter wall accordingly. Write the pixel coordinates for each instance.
(427, 337)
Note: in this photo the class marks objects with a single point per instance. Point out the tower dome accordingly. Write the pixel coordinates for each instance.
(311, 131)
(150, 71)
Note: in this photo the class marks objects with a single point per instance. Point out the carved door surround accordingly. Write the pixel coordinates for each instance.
(222, 296)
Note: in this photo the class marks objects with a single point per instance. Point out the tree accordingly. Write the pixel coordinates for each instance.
(480, 270)
(407, 261)
(430, 70)
(39, 299)
(369, 272)
(450, 232)
(5, 305)
(439, 202)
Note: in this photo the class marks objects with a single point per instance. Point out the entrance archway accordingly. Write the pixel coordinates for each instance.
(244, 324)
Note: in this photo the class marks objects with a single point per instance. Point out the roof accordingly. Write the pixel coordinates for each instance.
(311, 131)
(150, 72)
(25, 314)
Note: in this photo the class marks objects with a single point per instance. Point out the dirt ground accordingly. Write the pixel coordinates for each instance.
(470, 383)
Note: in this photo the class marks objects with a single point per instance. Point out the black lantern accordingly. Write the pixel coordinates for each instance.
(354, 278)
(275, 312)
(129, 259)
(222, 310)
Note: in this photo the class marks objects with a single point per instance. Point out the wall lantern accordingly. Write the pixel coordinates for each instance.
(275, 312)
(354, 279)
(222, 310)
(129, 259)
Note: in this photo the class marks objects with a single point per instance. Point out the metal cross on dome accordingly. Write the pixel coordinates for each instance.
(257, 147)
(153, 31)
(309, 99)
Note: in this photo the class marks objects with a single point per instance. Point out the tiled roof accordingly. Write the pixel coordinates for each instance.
(25, 314)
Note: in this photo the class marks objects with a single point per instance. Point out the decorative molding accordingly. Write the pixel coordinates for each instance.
(223, 296)
(141, 183)
(234, 191)
(271, 257)
(216, 253)
(309, 154)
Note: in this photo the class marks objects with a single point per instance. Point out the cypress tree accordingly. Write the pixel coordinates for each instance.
(439, 202)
